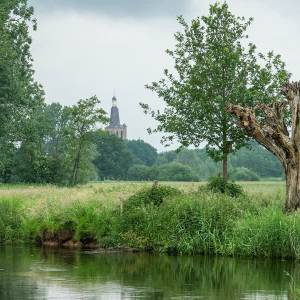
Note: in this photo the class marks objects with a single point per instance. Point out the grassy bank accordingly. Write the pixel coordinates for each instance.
(188, 221)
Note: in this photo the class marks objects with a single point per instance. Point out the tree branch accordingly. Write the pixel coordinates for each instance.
(272, 135)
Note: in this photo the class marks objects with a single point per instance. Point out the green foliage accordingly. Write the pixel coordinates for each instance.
(142, 152)
(154, 195)
(114, 157)
(38, 142)
(165, 172)
(258, 160)
(84, 117)
(94, 222)
(197, 160)
(141, 213)
(160, 219)
(11, 220)
(244, 174)
(213, 69)
(84, 222)
(176, 172)
(219, 185)
(270, 234)
(142, 172)
(20, 94)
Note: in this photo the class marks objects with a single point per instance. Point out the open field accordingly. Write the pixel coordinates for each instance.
(114, 192)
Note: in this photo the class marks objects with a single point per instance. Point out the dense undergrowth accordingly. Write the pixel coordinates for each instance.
(160, 219)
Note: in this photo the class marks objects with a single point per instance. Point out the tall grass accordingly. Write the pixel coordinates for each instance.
(183, 222)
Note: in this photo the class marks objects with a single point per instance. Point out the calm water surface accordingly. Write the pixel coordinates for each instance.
(64, 274)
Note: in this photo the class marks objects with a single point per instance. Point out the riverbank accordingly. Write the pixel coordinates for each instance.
(188, 220)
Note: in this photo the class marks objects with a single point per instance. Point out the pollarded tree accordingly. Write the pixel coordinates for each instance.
(212, 69)
(276, 126)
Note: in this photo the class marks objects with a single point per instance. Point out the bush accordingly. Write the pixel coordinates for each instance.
(219, 185)
(140, 218)
(244, 174)
(154, 195)
(195, 223)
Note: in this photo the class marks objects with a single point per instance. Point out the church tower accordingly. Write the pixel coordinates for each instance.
(115, 126)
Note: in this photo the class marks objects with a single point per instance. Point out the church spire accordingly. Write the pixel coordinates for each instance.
(114, 114)
(115, 126)
(114, 101)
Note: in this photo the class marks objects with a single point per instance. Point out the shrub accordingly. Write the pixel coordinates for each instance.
(155, 195)
(219, 185)
(244, 174)
(140, 216)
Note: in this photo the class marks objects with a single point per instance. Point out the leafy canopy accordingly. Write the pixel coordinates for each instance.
(212, 69)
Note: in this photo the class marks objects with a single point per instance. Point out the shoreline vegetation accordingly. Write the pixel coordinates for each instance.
(172, 218)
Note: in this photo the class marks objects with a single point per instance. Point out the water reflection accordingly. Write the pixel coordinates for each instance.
(52, 274)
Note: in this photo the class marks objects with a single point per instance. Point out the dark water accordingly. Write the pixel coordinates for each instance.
(64, 274)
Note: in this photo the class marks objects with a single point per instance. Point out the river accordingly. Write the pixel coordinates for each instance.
(33, 273)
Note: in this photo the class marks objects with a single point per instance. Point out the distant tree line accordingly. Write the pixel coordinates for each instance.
(137, 160)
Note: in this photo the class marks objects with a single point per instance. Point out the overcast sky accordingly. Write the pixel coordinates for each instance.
(93, 47)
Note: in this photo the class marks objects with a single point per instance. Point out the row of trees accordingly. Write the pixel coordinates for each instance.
(137, 160)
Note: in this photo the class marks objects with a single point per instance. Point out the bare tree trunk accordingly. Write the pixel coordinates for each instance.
(292, 202)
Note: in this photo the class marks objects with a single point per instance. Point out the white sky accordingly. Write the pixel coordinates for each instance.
(88, 47)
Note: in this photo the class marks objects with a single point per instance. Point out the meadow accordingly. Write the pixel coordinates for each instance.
(177, 218)
(111, 192)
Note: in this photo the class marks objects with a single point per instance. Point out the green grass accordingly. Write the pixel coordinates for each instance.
(190, 221)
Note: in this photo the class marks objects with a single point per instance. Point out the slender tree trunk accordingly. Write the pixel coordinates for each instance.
(75, 170)
(74, 179)
(292, 202)
(225, 167)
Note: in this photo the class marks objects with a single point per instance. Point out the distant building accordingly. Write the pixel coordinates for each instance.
(115, 126)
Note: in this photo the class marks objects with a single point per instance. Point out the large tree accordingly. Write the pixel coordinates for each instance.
(212, 69)
(276, 126)
(20, 95)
